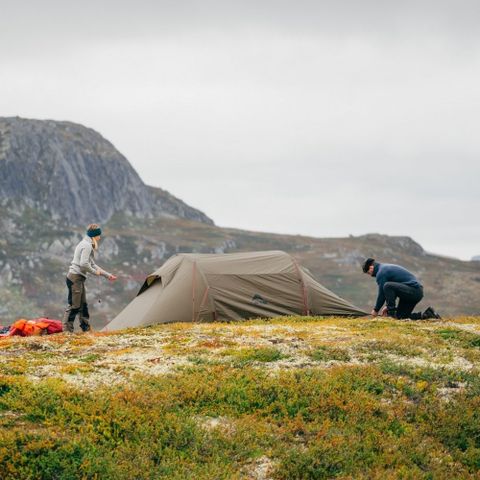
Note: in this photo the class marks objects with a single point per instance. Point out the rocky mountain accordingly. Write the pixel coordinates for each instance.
(146, 225)
(476, 258)
(75, 175)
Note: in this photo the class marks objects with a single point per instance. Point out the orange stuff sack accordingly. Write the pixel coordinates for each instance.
(37, 326)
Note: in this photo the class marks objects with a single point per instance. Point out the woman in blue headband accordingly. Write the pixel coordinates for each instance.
(83, 262)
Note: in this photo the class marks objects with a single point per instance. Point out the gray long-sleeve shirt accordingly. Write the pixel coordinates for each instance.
(83, 260)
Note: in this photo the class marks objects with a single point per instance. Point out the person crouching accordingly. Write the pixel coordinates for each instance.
(395, 282)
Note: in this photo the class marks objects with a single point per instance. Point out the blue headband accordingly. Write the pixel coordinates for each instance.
(94, 233)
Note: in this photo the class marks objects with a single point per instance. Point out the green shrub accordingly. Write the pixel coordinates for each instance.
(245, 356)
(460, 337)
(326, 354)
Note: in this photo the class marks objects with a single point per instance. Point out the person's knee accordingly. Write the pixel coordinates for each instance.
(389, 287)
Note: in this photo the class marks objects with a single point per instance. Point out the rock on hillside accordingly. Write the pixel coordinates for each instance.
(76, 175)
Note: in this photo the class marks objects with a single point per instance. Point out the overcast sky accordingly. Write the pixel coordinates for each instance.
(324, 118)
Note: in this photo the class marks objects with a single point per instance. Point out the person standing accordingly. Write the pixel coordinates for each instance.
(395, 282)
(83, 263)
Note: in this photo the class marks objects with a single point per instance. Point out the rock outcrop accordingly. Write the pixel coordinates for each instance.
(76, 175)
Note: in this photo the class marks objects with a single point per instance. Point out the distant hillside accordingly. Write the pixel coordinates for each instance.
(51, 171)
(35, 252)
(75, 175)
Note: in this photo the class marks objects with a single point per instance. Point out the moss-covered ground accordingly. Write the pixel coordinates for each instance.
(288, 398)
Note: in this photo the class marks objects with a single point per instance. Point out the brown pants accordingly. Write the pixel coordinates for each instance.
(77, 303)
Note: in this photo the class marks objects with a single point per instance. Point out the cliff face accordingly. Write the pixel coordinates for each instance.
(76, 175)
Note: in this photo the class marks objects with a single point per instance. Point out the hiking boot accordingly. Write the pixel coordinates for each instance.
(390, 312)
(430, 313)
(84, 325)
(427, 314)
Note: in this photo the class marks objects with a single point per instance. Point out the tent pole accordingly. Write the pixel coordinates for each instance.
(203, 301)
(306, 311)
(193, 290)
(207, 294)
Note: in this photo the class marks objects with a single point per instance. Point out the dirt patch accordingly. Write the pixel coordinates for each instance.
(261, 468)
(224, 424)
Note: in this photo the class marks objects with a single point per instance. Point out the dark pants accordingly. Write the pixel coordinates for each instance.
(408, 297)
(77, 303)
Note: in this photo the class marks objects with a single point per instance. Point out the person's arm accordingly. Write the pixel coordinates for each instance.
(85, 264)
(101, 271)
(380, 297)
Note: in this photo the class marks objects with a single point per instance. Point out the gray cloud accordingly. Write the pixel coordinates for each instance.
(323, 118)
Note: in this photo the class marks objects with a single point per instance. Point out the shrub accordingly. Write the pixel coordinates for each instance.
(326, 354)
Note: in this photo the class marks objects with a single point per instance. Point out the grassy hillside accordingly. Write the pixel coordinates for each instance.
(289, 398)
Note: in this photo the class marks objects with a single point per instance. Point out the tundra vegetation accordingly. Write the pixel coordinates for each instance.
(287, 398)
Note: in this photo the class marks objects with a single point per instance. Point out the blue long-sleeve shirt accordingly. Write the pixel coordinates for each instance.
(386, 272)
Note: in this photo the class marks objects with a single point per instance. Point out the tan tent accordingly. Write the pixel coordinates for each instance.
(209, 287)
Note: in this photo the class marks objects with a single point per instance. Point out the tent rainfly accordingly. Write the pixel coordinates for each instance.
(222, 287)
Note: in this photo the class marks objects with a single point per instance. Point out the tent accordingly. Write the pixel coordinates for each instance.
(222, 287)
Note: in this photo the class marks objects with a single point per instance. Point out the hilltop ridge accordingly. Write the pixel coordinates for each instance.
(76, 175)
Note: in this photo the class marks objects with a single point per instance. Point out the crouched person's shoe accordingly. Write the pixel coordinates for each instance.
(430, 313)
